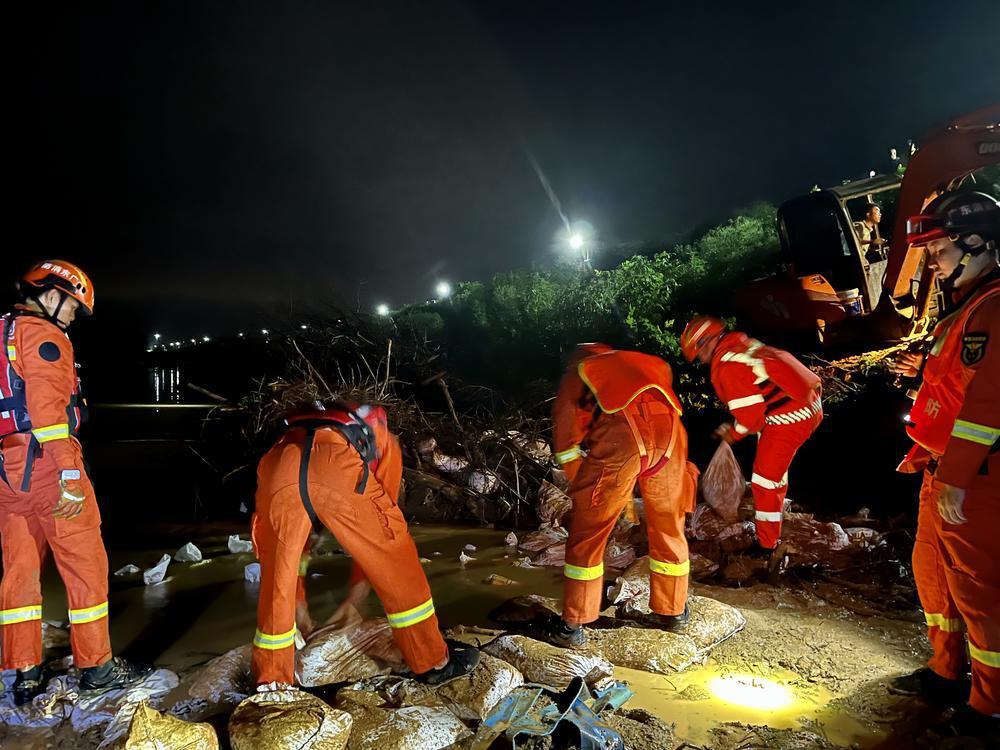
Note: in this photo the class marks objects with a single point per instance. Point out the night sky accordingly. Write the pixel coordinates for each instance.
(212, 163)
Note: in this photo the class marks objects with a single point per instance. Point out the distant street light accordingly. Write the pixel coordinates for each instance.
(264, 331)
(205, 338)
(193, 341)
(156, 336)
(443, 290)
(303, 326)
(240, 334)
(382, 309)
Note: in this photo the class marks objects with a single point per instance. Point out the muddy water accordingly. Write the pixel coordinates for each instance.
(204, 609)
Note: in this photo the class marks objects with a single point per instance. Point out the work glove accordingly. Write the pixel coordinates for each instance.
(73, 492)
(906, 364)
(949, 503)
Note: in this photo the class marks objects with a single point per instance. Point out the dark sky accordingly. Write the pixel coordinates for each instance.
(208, 161)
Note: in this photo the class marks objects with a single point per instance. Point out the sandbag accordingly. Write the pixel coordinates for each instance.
(288, 719)
(217, 687)
(93, 709)
(473, 696)
(553, 504)
(650, 650)
(536, 541)
(398, 714)
(722, 483)
(143, 728)
(548, 665)
(345, 653)
(526, 608)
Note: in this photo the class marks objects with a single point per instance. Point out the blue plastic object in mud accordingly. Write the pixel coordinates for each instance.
(573, 713)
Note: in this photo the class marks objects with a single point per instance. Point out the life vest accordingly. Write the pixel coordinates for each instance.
(780, 376)
(617, 378)
(945, 377)
(357, 424)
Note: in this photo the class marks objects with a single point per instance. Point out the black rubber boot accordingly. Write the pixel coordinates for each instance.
(967, 722)
(462, 659)
(927, 684)
(670, 623)
(27, 684)
(554, 630)
(113, 674)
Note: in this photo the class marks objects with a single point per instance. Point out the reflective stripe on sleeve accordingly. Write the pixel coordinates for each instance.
(52, 432)
(568, 455)
(303, 565)
(989, 658)
(11, 353)
(669, 568)
(20, 614)
(274, 642)
(766, 483)
(579, 573)
(948, 625)
(88, 614)
(976, 433)
(740, 429)
(739, 403)
(766, 515)
(411, 616)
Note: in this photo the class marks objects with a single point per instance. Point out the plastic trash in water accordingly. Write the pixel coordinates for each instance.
(127, 570)
(157, 573)
(237, 545)
(510, 540)
(251, 573)
(464, 558)
(188, 553)
(469, 548)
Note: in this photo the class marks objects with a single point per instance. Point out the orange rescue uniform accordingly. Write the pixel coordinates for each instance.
(772, 394)
(955, 423)
(617, 421)
(370, 527)
(42, 355)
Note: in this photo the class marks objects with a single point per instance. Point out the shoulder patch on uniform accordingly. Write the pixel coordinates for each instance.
(49, 351)
(974, 347)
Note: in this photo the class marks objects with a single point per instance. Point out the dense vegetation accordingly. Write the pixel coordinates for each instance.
(514, 327)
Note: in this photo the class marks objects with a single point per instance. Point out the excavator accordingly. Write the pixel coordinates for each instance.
(834, 291)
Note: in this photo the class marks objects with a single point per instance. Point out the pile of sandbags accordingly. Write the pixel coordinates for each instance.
(548, 665)
(217, 687)
(139, 727)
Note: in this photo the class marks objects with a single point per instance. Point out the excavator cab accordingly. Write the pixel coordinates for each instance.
(836, 290)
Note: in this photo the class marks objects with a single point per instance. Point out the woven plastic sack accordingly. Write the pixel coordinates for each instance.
(650, 650)
(347, 653)
(288, 719)
(556, 667)
(473, 696)
(553, 504)
(217, 687)
(145, 728)
(723, 484)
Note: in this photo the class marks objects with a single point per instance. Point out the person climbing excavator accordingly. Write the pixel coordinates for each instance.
(617, 421)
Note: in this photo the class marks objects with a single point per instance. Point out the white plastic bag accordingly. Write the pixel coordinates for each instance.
(188, 553)
(157, 573)
(237, 545)
(723, 484)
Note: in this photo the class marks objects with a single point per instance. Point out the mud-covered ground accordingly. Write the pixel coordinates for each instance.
(829, 663)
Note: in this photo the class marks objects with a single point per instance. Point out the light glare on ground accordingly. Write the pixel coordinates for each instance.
(751, 692)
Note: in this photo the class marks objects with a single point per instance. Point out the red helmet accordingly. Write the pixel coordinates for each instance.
(62, 275)
(583, 351)
(699, 332)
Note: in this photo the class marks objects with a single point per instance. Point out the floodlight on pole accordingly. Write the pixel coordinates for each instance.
(443, 289)
(382, 309)
(576, 241)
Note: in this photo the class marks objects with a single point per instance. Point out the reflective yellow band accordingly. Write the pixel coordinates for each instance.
(11, 353)
(739, 403)
(274, 642)
(52, 432)
(669, 568)
(303, 565)
(948, 625)
(578, 573)
(989, 658)
(20, 614)
(89, 614)
(411, 616)
(976, 433)
(568, 455)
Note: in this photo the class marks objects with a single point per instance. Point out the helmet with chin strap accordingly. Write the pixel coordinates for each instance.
(969, 219)
(67, 278)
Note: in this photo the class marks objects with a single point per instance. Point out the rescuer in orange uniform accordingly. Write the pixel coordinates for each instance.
(769, 393)
(46, 498)
(955, 425)
(341, 468)
(617, 421)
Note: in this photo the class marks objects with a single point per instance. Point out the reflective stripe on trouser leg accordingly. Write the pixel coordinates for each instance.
(20, 614)
(410, 617)
(274, 641)
(583, 573)
(88, 614)
(24, 548)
